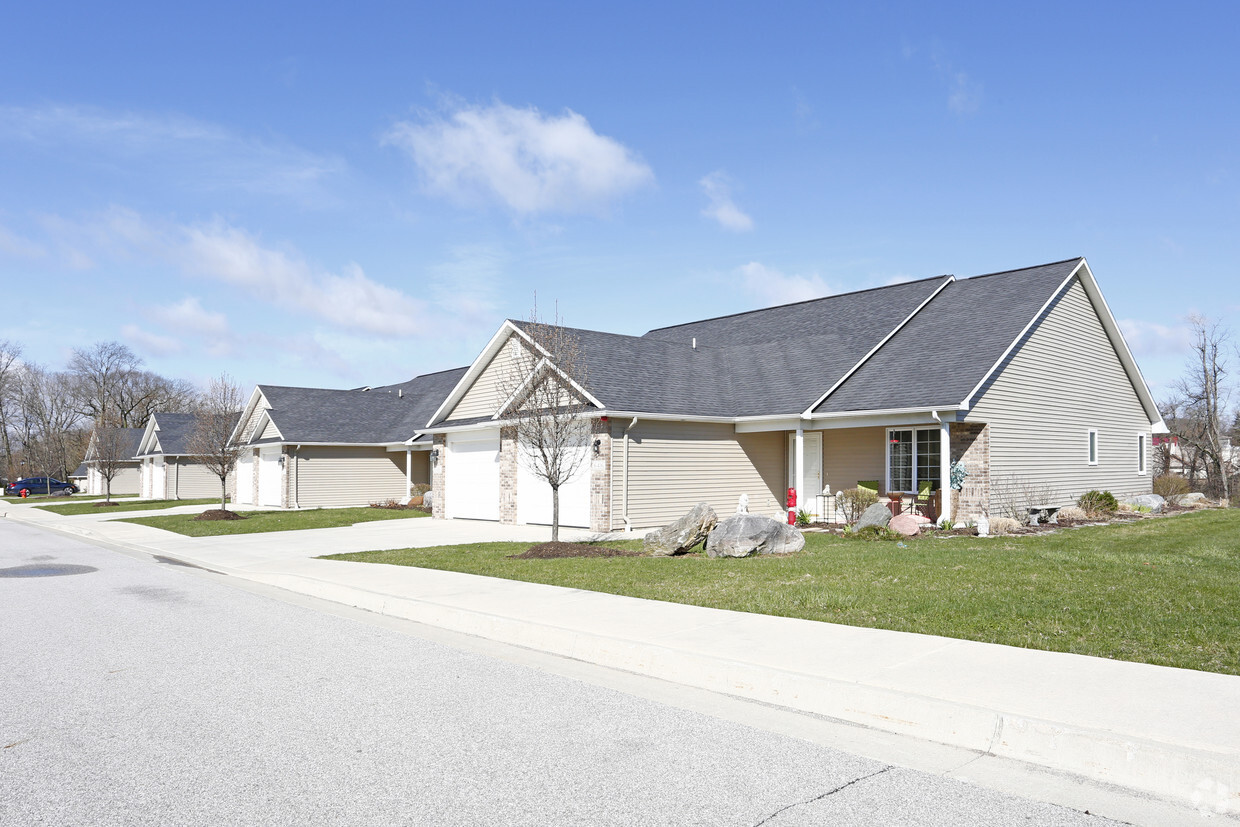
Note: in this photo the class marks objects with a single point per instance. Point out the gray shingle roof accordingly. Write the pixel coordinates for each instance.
(174, 431)
(381, 415)
(780, 360)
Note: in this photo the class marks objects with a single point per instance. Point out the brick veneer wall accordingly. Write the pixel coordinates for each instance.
(970, 444)
(437, 475)
(508, 476)
(600, 477)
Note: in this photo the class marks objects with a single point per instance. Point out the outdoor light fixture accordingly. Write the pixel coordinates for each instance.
(434, 456)
(597, 444)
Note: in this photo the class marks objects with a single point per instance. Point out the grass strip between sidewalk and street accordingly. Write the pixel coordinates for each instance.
(1164, 591)
(259, 521)
(93, 507)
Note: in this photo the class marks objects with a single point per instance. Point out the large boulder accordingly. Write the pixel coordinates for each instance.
(1153, 502)
(878, 514)
(682, 535)
(744, 534)
(1196, 498)
(907, 524)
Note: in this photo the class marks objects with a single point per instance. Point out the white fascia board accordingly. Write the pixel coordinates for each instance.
(148, 433)
(525, 383)
(969, 397)
(263, 418)
(1111, 326)
(547, 358)
(664, 417)
(475, 370)
(255, 397)
(846, 419)
(809, 411)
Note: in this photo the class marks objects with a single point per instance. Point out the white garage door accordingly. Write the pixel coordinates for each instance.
(269, 476)
(471, 484)
(245, 478)
(534, 495)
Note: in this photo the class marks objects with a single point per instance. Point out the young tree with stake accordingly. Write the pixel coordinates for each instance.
(210, 441)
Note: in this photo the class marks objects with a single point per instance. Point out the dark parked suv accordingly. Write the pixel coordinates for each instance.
(34, 486)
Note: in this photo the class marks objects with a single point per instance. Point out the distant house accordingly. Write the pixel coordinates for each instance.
(1021, 378)
(313, 447)
(168, 470)
(128, 478)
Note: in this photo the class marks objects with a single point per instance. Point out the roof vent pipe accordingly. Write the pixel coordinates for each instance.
(695, 342)
(400, 393)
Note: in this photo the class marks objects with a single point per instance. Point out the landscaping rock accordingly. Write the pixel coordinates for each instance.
(1192, 499)
(1153, 502)
(878, 514)
(744, 534)
(682, 535)
(907, 524)
(1071, 512)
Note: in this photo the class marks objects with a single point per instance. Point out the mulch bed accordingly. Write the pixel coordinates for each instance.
(551, 551)
(219, 514)
(107, 504)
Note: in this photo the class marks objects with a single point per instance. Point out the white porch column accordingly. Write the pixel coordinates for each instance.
(408, 474)
(798, 474)
(945, 470)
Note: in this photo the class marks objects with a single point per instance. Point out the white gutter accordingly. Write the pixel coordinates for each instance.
(628, 525)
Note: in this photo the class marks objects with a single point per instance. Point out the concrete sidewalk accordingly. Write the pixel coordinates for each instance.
(1173, 733)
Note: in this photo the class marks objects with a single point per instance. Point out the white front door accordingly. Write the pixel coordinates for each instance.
(269, 477)
(813, 469)
(471, 476)
(534, 503)
(245, 477)
(158, 478)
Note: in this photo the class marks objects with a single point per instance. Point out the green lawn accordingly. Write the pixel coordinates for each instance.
(90, 507)
(75, 497)
(259, 521)
(1162, 591)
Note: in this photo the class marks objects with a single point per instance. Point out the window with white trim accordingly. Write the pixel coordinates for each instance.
(1093, 446)
(1140, 453)
(913, 459)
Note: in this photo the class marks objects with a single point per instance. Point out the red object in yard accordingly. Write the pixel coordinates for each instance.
(792, 498)
(792, 516)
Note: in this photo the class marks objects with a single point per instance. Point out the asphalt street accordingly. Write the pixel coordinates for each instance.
(135, 692)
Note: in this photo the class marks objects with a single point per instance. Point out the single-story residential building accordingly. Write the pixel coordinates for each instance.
(168, 470)
(314, 447)
(1021, 379)
(128, 479)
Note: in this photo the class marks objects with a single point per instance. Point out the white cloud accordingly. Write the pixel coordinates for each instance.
(529, 162)
(18, 247)
(772, 287)
(1153, 339)
(150, 344)
(718, 189)
(966, 94)
(175, 148)
(189, 319)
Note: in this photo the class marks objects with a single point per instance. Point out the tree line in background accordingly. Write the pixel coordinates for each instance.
(47, 416)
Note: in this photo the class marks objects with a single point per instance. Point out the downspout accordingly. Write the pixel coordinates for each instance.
(296, 477)
(628, 526)
(408, 475)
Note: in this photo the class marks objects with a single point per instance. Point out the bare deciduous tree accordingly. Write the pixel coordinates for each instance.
(50, 424)
(110, 450)
(541, 388)
(10, 354)
(210, 441)
(110, 387)
(1202, 402)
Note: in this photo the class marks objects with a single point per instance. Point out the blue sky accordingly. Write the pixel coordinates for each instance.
(355, 195)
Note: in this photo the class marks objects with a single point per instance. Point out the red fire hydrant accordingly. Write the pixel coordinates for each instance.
(792, 506)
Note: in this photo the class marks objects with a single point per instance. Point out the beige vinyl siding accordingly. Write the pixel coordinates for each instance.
(189, 480)
(854, 454)
(1062, 381)
(270, 431)
(346, 475)
(483, 396)
(674, 465)
(252, 423)
(420, 462)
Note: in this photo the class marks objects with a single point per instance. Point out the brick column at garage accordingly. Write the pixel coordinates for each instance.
(255, 497)
(600, 476)
(440, 449)
(508, 476)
